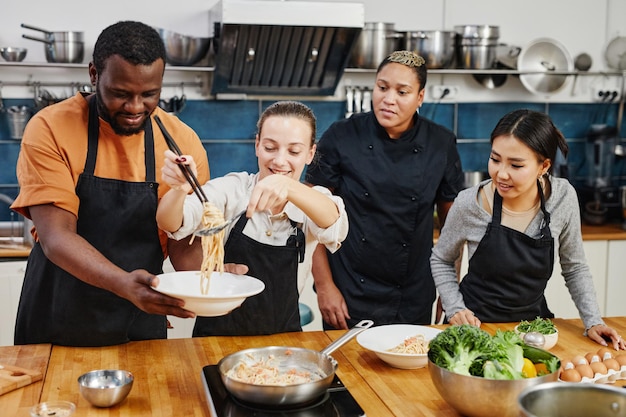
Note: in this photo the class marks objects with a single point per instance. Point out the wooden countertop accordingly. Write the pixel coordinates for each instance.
(168, 372)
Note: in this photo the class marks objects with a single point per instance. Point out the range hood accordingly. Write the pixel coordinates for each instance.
(282, 47)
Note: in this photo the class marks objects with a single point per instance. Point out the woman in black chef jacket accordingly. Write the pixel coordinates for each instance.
(285, 221)
(514, 224)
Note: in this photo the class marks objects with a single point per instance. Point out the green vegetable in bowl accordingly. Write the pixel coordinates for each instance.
(469, 350)
(539, 325)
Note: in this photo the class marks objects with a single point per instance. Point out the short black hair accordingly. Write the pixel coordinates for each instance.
(136, 42)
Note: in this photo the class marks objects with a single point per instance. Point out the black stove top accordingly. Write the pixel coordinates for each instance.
(337, 402)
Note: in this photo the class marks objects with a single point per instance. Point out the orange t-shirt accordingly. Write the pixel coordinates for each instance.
(54, 150)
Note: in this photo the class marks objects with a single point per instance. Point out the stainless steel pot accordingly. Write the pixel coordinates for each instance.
(375, 42)
(286, 358)
(435, 46)
(61, 47)
(476, 46)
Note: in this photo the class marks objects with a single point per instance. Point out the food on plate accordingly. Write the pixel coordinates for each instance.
(469, 350)
(266, 372)
(415, 345)
(212, 246)
(539, 325)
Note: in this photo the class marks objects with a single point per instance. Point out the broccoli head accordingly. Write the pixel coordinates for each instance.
(462, 349)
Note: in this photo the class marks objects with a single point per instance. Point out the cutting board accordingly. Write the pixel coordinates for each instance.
(14, 377)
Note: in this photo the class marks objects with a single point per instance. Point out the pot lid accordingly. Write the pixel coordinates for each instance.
(615, 53)
(544, 55)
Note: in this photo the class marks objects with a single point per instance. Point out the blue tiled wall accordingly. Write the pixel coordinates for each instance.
(227, 130)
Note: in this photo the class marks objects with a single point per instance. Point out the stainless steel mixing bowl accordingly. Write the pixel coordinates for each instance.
(481, 397)
(572, 399)
(106, 387)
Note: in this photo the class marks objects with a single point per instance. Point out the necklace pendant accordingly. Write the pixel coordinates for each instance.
(268, 233)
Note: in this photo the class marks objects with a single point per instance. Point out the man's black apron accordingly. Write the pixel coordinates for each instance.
(275, 310)
(118, 219)
(509, 271)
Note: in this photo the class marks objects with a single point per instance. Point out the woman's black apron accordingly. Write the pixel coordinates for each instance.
(275, 310)
(118, 219)
(509, 271)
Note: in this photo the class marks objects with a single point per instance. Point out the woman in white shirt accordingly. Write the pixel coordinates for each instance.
(284, 221)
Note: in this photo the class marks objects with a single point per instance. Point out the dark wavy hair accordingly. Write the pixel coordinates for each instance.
(136, 42)
(536, 130)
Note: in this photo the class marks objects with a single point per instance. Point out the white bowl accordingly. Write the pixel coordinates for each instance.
(380, 339)
(551, 339)
(226, 291)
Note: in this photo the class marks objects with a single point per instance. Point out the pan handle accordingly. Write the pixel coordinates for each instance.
(38, 39)
(47, 32)
(358, 328)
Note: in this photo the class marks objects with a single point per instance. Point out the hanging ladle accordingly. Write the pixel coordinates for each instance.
(581, 63)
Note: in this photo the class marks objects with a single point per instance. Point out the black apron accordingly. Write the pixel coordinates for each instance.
(509, 271)
(118, 219)
(275, 310)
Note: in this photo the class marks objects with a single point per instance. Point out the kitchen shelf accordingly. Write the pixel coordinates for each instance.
(347, 70)
(499, 72)
(85, 65)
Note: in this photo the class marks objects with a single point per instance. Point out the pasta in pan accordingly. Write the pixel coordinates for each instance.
(414, 345)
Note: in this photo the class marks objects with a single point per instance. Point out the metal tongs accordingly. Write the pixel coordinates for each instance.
(193, 181)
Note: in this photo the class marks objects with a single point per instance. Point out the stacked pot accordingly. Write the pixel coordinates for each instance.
(476, 46)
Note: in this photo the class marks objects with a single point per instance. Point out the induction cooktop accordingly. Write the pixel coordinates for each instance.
(336, 402)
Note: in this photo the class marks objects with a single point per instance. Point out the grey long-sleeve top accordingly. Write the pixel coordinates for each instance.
(467, 222)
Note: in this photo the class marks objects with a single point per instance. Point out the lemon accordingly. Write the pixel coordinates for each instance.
(529, 370)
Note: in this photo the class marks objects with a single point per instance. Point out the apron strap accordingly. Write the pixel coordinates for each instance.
(93, 131)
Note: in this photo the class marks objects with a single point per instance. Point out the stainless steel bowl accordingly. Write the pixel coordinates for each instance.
(182, 50)
(105, 388)
(481, 397)
(12, 54)
(559, 399)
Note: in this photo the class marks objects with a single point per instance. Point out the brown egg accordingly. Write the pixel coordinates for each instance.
(592, 357)
(570, 375)
(599, 368)
(604, 353)
(621, 358)
(611, 363)
(579, 360)
(585, 370)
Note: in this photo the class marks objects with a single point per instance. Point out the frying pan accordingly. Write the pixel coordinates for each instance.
(287, 358)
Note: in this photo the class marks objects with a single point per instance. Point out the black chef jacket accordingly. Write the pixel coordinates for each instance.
(389, 187)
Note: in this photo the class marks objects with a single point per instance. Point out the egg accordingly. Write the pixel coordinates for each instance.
(621, 358)
(585, 370)
(611, 363)
(570, 375)
(592, 357)
(605, 353)
(599, 368)
(579, 360)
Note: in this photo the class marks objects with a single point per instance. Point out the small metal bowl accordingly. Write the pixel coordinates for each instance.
(105, 388)
(13, 54)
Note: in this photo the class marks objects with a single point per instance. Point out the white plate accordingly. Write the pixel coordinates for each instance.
(380, 339)
(226, 291)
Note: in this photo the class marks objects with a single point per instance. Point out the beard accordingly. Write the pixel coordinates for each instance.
(104, 113)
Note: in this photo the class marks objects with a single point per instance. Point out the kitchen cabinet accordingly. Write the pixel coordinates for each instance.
(12, 276)
(616, 278)
(558, 297)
